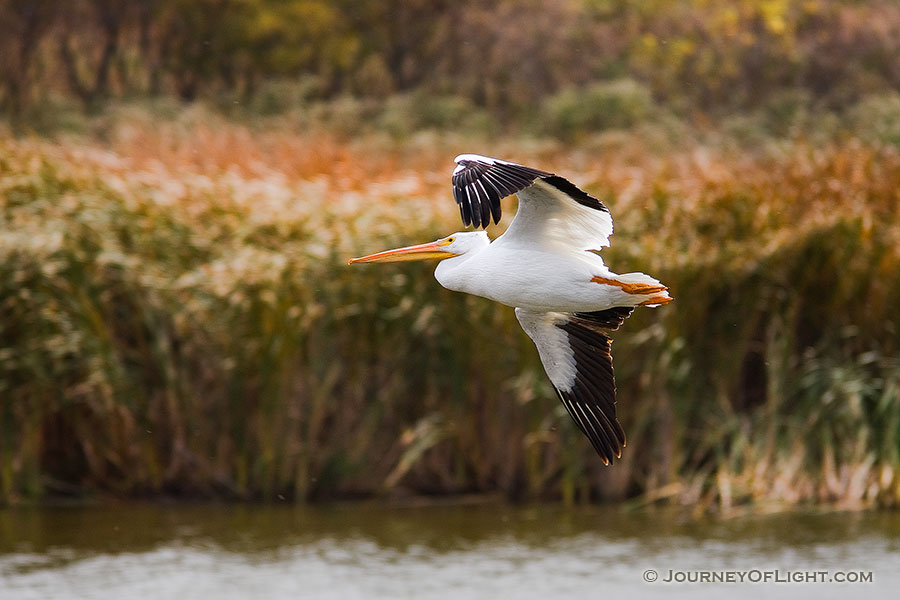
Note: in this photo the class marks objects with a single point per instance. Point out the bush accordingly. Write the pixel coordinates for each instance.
(279, 96)
(616, 104)
(403, 115)
(346, 115)
(877, 119)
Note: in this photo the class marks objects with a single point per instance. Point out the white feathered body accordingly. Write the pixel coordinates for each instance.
(555, 278)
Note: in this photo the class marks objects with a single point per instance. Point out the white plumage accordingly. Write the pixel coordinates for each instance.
(552, 344)
(547, 265)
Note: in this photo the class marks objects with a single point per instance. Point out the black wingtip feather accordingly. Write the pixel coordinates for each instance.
(591, 428)
(574, 192)
(592, 400)
(483, 184)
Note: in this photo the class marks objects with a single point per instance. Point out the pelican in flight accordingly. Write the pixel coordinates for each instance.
(547, 266)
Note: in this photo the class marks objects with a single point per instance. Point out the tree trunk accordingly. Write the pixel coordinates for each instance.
(34, 24)
(90, 93)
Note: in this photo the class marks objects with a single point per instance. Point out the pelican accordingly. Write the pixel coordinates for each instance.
(547, 266)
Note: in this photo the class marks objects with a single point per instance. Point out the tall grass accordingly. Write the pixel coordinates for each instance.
(177, 317)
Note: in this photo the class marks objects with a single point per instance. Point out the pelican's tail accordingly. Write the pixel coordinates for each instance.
(643, 289)
(659, 294)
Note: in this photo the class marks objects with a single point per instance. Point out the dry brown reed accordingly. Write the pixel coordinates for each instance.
(177, 317)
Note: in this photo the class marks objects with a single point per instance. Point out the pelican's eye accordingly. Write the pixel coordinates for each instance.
(449, 240)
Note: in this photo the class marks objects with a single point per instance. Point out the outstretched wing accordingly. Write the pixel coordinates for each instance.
(551, 209)
(575, 353)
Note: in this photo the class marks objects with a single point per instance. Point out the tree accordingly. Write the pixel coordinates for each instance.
(23, 24)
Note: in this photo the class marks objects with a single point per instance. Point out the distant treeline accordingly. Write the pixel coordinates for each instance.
(507, 56)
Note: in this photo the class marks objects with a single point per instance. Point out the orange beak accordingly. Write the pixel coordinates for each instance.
(419, 252)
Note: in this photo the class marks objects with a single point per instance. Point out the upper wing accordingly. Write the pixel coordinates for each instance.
(575, 355)
(550, 208)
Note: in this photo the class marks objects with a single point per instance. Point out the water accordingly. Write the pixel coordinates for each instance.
(364, 551)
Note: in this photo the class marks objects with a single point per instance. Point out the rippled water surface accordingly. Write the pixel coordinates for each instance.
(367, 551)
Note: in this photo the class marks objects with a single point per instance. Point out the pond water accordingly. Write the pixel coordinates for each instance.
(363, 551)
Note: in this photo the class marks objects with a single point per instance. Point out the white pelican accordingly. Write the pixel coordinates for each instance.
(547, 265)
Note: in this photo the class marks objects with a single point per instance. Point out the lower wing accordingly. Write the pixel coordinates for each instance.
(575, 353)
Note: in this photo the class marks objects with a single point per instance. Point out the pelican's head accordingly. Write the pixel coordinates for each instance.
(457, 244)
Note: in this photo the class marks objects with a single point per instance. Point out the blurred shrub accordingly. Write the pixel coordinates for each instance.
(373, 78)
(876, 118)
(603, 105)
(282, 95)
(786, 111)
(403, 115)
(346, 115)
(53, 114)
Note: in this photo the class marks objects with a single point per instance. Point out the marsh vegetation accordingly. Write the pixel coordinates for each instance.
(177, 317)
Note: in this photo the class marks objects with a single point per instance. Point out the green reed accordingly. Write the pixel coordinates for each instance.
(197, 333)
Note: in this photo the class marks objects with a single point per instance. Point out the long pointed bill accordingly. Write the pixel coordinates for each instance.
(419, 252)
